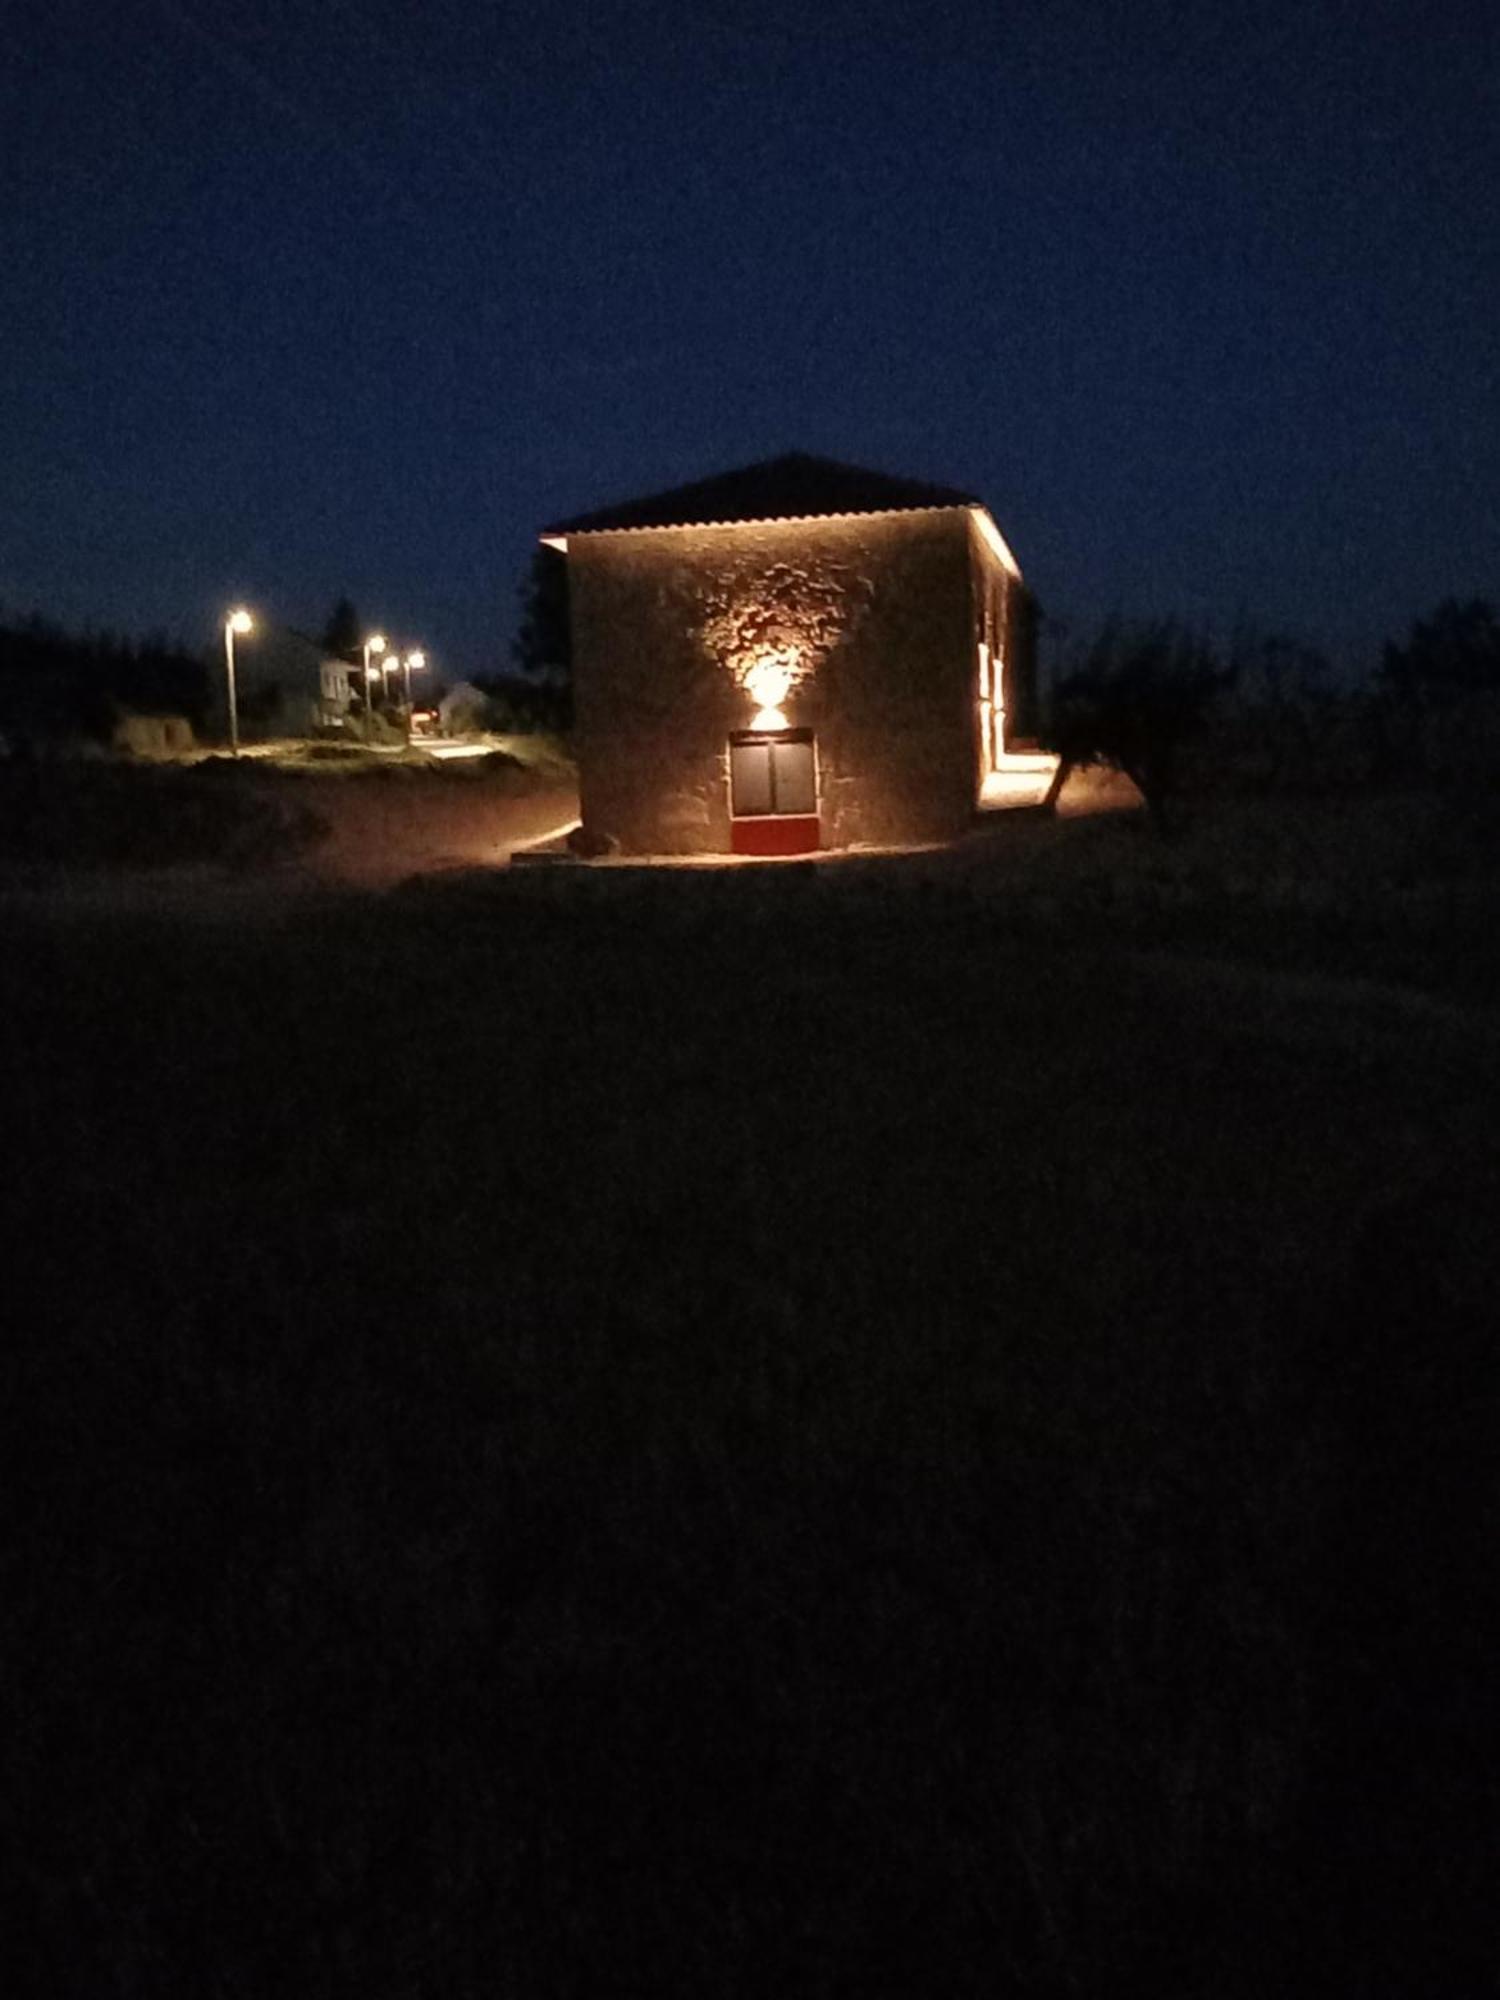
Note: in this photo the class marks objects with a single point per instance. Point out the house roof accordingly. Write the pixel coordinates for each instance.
(791, 488)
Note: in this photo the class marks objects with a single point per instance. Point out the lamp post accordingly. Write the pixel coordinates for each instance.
(237, 621)
(412, 664)
(389, 666)
(374, 644)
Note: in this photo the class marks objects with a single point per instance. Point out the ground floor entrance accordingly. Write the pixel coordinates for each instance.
(773, 792)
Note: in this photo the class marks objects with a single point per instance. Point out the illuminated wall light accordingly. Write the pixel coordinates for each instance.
(768, 679)
(769, 719)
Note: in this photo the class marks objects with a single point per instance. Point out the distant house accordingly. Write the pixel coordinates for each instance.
(798, 654)
(463, 709)
(336, 693)
(287, 685)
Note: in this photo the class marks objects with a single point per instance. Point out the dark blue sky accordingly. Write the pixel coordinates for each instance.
(298, 299)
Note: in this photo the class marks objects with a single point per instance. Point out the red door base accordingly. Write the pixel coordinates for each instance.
(780, 833)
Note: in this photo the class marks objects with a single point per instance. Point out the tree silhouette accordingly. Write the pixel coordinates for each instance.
(1453, 653)
(1141, 692)
(343, 634)
(543, 645)
(55, 684)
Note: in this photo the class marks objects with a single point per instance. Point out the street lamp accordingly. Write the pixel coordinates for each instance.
(412, 664)
(388, 666)
(374, 644)
(238, 621)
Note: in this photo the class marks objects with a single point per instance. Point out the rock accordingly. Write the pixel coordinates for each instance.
(590, 845)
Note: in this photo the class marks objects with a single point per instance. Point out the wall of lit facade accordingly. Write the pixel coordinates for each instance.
(863, 629)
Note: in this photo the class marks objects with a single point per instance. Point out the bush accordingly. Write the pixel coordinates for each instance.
(523, 707)
(1453, 654)
(153, 735)
(375, 728)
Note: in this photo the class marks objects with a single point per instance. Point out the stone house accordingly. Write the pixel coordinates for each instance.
(795, 655)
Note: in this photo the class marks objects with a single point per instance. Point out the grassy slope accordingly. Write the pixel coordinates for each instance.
(329, 809)
(738, 1434)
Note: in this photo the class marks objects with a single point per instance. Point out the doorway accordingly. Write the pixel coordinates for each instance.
(773, 792)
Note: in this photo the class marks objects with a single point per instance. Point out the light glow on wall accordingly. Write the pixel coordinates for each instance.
(771, 630)
(768, 719)
(1018, 780)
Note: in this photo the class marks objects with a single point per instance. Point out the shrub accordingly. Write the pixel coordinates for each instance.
(152, 735)
(1453, 654)
(375, 728)
(523, 706)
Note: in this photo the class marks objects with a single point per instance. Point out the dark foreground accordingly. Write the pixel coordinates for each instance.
(738, 1435)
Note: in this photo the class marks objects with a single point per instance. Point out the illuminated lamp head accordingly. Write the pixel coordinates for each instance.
(768, 681)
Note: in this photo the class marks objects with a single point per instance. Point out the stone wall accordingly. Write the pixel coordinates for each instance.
(872, 618)
(1005, 619)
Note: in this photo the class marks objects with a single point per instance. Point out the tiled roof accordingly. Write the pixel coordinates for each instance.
(790, 488)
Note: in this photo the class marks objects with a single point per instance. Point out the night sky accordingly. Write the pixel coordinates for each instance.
(305, 299)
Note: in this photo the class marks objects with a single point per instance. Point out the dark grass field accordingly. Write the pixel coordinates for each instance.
(765, 1432)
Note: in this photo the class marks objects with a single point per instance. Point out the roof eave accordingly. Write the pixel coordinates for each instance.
(559, 537)
(991, 536)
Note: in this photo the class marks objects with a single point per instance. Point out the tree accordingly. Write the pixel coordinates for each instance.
(543, 646)
(1284, 724)
(56, 684)
(1141, 692)
(343, 635)
(1453, 653)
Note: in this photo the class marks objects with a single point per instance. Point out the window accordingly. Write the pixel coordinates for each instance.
(991, 711)
(773, 775)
